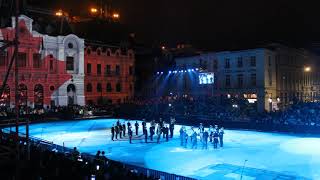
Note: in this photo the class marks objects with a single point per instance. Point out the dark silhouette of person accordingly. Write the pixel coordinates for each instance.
(137, 127)
(112, 133)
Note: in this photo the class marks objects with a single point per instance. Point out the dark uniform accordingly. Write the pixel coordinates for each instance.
(124, 129)
(144, 126)
(120, 131)
(151, 132)
(221, 132)
(145, 132)
(166, 133)
(215, 139)
(116, 128)
(137, 127)
(130, 134)
(171, 127)
(112, 133)
(205, 140)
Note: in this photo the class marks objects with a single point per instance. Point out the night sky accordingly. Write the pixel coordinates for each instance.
(211, 24)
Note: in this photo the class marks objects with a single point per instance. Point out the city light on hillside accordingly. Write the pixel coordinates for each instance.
(93, 10)
(59, 13)
(116, 15)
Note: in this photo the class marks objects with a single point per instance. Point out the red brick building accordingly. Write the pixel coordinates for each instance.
(109, 75)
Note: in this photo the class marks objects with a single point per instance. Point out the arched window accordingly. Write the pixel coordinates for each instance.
(89, 87)
(118, 87)
(5, 98)
(23, 95)
(99, 87)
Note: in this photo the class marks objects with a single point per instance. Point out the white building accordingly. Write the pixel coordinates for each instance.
(255, 75)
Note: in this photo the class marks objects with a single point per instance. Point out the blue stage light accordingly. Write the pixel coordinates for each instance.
(158, 72)
(161, 72)
(185, 70)
(189, 70)
(169, 72)
(197, 69)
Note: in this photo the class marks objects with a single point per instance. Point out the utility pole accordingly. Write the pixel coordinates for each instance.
(16, 47)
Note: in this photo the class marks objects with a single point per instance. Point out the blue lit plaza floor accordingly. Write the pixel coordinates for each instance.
(268, 155)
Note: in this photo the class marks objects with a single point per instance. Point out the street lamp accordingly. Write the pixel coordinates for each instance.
(62, 15)
(115, 16)
(59, 13)
(94, 10)
(307, 69)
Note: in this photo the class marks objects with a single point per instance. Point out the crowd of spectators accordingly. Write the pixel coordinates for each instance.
(45, 163)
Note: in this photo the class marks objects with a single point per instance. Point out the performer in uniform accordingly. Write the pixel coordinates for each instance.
(112, 133)
(130, 134)
(215, 139)
(137, 127)
(221, 133)
(205, 140)
(116, 128)
(171, 127)
(124, 129)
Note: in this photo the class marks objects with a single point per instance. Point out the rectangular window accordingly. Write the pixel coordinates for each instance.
(240, 62)
(37, 60)
(70, 63)
(253, 80)
(253, 61)
(3, 57)
(228, 81)
(98, 69)
(117, 70)
(108, 70)
(240, 80)
(109, 87)
(88, 68)
(22, 59)
(227, 65)
(130, 70)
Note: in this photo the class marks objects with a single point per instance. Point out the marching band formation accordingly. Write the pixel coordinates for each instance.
(191, 136)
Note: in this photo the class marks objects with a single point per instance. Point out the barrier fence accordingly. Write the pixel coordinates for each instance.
(48, 145)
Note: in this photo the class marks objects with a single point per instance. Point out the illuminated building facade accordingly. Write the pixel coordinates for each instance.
(268, 78)
(53, 70)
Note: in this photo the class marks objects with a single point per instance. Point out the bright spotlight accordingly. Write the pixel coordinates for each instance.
(185, 70)
(170, 72)
(192, 70)
(197, 69)
(161, 72)
(189, 70)
(158, 72)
